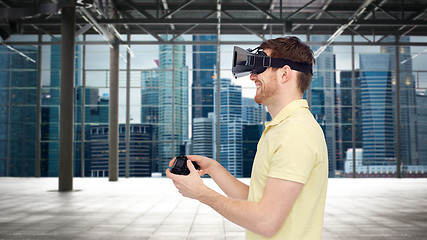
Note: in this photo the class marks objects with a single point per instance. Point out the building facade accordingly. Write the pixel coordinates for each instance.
(18, 97)
(377, 110)
(230, 154)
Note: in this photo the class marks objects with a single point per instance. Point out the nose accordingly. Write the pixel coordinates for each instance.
(253, 76)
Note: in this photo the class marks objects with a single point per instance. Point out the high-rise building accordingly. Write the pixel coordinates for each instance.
(377, 110)
(346, 111)
(173, 102)
(203, 142)
(150, 96)
(323, 98)
(250, 137)
(408, 130)
(252, 118)
(204, 62)
(150, 89)
(251, 111)
(18, 97)
(96, 112)
(230, 127)
(421, 124)
(50, 107)
(140, 162)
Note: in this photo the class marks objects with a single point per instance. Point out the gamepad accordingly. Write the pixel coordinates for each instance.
(180, 166)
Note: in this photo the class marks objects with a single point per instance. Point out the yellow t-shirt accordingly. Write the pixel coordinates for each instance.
(293, 147)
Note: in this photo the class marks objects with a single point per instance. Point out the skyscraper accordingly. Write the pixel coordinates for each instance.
(96, 113)
(140, 162)
(407, 98)
(377, 109)
(421, 121)
(252, 128)
(323, 97)
(18, 97)
(204, 62)
(203, 141)
(173, 102)
(150, 96)
(51, 105)
(251, 111)
(230, 127)
(346, 111)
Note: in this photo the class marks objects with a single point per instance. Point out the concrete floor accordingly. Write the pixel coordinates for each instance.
(151, 208)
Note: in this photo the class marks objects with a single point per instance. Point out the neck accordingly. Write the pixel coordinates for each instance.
(276, 106)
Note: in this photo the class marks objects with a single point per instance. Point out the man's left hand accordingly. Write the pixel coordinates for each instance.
(191, 185)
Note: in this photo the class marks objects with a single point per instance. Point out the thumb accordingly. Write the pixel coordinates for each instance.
(191, 166)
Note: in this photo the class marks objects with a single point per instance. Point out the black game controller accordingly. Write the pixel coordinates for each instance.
(180, 166)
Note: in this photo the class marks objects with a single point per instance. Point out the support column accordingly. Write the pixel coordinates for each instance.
(66, 120)
(113, 132)
(397, 80)
(127, 164)
(353, 107)
(39, 111)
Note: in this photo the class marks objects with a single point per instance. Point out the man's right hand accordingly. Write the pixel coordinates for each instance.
(206, 164)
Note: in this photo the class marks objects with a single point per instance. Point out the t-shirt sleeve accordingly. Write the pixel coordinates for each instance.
(293, 158)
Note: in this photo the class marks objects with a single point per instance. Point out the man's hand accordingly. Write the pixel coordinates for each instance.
(206, 164)
(191, 185)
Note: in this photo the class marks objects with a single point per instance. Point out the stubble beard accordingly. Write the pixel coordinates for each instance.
(266, 92)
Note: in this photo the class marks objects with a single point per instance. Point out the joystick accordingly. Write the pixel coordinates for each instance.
(180, 166)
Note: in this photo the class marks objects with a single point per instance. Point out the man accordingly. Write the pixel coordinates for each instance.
(287, 192)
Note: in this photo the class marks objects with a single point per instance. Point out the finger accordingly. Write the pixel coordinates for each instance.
(194, 158)
(172, 162)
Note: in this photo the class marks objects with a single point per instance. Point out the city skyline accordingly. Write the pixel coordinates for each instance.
(173, 91)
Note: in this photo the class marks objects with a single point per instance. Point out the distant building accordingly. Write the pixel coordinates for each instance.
(203, 142)
(377, 110)
(230, 154)
(408, 129)
(204, 65)
(380, 171)
(172, 127)
(141, 145)
(421, 124)
(323, 99)
(51, 111)
(346, 122)
(250, 137)
(18, 97)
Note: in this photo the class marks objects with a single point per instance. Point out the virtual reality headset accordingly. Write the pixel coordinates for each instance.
(246, 62)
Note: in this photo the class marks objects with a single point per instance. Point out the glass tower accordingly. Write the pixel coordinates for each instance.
(18, 97)
(407, 99)
(323, 98)
(377, 109)
(173, 102)
(230, 127)
(204, 62)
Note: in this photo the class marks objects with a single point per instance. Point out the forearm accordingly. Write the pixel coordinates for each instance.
(230, 185)
(249, 215)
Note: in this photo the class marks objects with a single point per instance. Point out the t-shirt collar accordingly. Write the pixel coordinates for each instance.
(287, 111)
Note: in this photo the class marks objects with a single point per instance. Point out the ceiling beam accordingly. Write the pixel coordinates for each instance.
(178, 9)
(138, 8)
(261, 10)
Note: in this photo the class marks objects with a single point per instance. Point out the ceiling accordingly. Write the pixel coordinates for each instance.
(226, 17)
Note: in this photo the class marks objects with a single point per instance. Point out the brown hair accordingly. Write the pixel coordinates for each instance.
(293, 49)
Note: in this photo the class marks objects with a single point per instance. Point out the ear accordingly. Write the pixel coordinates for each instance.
(285, 73)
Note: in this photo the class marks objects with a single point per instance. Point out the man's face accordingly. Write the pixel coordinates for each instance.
(266, 84)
